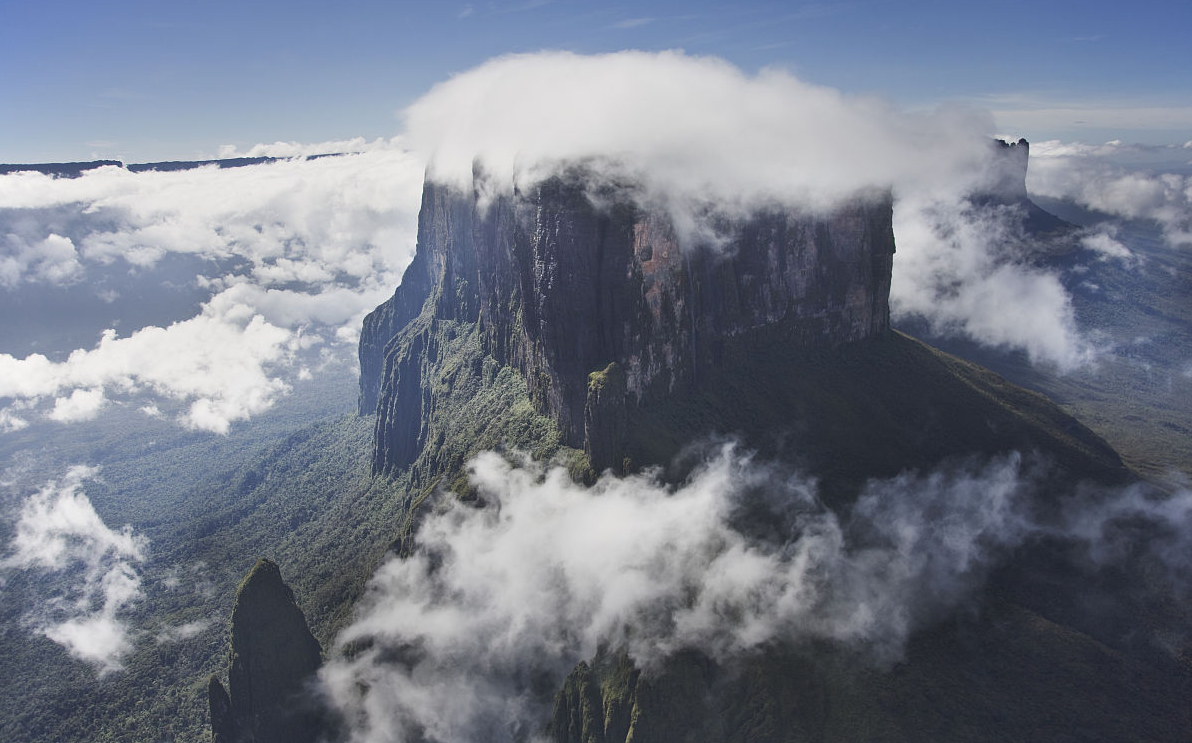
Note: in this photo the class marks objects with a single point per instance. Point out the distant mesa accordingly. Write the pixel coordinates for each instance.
(1006, 185)
(76, 169)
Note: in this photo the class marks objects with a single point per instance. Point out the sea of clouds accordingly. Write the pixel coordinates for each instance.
(292, 254)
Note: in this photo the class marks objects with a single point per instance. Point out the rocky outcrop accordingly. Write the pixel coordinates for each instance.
(562, 279)
(1007, 177)
(1005, 184)
(274, 657)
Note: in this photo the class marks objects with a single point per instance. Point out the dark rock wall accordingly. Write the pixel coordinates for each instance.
(274, 657)
(1008, 169)
(561, 287)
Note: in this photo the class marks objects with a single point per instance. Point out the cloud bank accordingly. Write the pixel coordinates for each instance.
(303, 149)
(219, 366)
(351, 215)
(688, 126)
(1123, 180)
(449, 642)
(290, 255)
(59, 533)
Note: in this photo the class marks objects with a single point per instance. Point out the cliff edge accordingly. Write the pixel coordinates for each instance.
(561, 280)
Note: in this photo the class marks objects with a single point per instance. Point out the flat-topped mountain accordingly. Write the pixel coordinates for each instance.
(630, 337)
(574, 319)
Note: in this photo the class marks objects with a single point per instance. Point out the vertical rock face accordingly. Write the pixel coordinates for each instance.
(1008, 176)
(1005, 185)
(273, 657)
(223, 724)
(563, 280)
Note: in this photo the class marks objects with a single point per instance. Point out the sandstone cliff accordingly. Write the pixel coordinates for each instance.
(561, 282)
(572, 318)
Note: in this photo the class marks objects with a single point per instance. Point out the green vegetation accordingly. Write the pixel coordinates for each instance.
(308, 502)
(476, 405)
(303, 496)
(610, 377)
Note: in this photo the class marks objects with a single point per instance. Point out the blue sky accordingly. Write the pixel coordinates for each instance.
(150, 80)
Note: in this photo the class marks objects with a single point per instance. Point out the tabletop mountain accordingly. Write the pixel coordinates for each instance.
(578, 319)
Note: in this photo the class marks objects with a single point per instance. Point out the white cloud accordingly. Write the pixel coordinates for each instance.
(58, 531)
(182, 632)
(1106, 245)
(449, 642)
(549, 570)
(293, 220)
(1128, 181)
(334, 307)
(967, 269)
(688, 127)
(81, 405)
(220, 365)
(10, 421)
(301, 149)
(699, 133)
(53, 260)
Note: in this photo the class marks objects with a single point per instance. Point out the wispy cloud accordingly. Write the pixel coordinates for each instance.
(183, 632)
(58, 532)
(971, 270)
(633, 22)
(521, 7)
(1026, 113)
